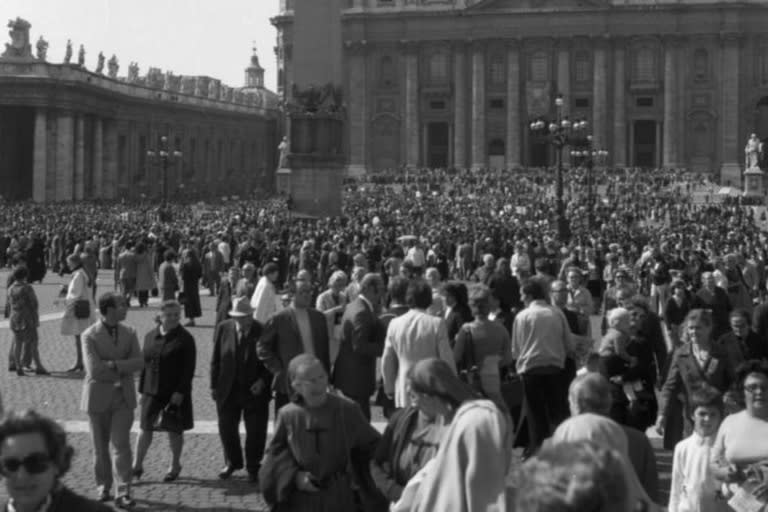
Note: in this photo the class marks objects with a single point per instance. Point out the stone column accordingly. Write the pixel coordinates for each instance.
(670, 145)
(80, 158)
(110, 160)
(478, 106)
(358, 118)
(600, 95)
(731, 153)
(460, 106)
(619, 107)
(65, 140)
(98, 158)
(40, 156)
(513, 105)
(411, 106)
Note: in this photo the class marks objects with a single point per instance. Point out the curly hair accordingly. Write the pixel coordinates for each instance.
(32, 422)
(572, 477)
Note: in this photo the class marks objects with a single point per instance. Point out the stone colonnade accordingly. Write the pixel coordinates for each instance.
(74, 156)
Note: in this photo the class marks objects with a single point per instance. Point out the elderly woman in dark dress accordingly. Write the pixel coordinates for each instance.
(191, 271)
(697, 362)
(166, 381)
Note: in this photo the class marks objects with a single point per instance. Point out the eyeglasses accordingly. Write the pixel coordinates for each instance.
(34, 464)
(753, 388)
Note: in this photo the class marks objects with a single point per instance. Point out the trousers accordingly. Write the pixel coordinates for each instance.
(112, 426)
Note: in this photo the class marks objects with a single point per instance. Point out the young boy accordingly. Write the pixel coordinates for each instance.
(694, 489)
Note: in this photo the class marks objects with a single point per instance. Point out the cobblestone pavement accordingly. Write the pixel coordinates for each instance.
(58, 396)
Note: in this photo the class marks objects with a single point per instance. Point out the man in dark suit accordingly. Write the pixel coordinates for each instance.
(240, 387)
(362, 341)
(295, 330)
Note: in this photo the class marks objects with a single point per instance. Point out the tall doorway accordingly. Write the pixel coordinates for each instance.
(644, 143)
(438, 145)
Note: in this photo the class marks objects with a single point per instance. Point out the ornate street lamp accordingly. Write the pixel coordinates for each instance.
(587, 155)
(559, 133)
(163, 157)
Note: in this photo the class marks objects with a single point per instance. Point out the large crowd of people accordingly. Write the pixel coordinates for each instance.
(448, 298)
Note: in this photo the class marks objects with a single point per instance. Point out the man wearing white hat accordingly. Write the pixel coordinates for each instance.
(240, 385)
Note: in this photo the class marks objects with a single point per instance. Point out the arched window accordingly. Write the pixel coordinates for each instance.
(539, 67)
(701, 64)
(438, 67)
(497, 69)
(644, 68)
(582, 67)
(387, 71)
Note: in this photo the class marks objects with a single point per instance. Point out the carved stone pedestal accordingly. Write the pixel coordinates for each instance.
(315, 171)
(753, 182)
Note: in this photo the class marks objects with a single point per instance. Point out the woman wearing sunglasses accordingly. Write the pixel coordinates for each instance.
(34, 455)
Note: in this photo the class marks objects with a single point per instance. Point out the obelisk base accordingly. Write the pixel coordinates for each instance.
(315, 190)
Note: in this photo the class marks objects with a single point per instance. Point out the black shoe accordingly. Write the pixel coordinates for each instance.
(104, 496)
(20, 372)
(172, 475)
(125, 502)
(253, 477)
(227, 471)
(75, 369)
(137, 473)
(42, 371)
(12, 368)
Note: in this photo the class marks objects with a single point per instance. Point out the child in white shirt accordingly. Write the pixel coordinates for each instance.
(694, 488)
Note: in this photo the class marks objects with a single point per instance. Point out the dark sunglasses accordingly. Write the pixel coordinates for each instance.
(34, 464)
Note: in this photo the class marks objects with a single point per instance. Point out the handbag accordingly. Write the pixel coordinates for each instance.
(82, 309)
(169, 420)
(470, 373)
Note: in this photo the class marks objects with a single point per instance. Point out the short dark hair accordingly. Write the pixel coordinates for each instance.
(20, 272)
(419, 294)
(32, 422)
(533, 289)
(458, 291)
(108, 300)
(747, 368)
(707, 396)
(169, 255)
(397, 289)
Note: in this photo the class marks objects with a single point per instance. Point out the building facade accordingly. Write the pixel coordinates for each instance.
(436, 83)
(67, 133)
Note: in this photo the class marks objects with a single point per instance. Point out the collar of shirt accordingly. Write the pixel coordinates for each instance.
(111, 329)
(703, 440)
(44, 507)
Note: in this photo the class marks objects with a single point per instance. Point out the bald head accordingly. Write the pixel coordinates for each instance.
(590, 392)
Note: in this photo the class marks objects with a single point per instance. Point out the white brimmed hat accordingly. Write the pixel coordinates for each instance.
(241, 306)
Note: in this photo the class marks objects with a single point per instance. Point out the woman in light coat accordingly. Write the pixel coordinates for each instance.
(79, 288)
(145, 277)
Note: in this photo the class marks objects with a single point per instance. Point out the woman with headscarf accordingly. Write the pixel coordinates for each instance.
(609, 434)
(469, 471)
(413, 434)
(76, 319)
(191, 271)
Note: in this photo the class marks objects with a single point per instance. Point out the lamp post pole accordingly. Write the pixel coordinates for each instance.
(559, 133)
(164, 158)
(588, 155)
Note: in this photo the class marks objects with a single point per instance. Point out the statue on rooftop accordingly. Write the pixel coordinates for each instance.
(81, 56)
(68, 53)
(113, 67)
(752, 151)
(19, 45)
(100, 64)
(42, 48)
